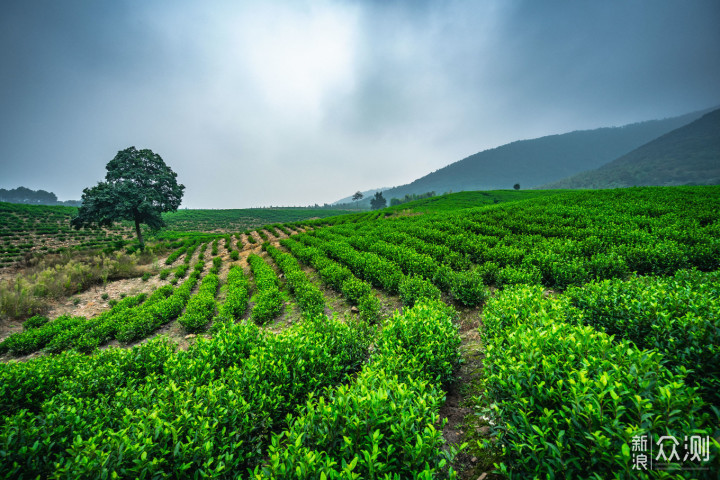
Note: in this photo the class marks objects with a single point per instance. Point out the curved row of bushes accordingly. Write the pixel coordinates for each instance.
(268, 299)
(237, 296)
(338, 277)
(568, 400)
(153, 413)
(60, 334)
(201, 306)
(309, 297)
(679, 316)
(132, 318)
(385, 423)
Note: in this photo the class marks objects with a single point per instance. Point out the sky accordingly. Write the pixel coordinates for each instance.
(282, 103)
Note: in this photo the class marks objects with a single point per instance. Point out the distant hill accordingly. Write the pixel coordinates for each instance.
(34, 197)
(536, 162)
(689, 155)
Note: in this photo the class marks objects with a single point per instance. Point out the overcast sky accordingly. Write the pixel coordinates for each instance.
(294, 103)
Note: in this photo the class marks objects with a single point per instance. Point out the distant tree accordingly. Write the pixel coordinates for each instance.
(357, 196)
(26, 195)
(516, 186)
(395, 201)
(138, 186)
(378, 202)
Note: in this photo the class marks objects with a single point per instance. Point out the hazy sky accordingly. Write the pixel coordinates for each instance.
(292, 103)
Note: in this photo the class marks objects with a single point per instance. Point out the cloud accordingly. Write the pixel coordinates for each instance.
(287, 103)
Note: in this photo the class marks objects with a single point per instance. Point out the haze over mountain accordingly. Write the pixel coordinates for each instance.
(689, 155)
(539, 161)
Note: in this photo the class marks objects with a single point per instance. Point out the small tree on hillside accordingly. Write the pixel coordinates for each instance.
(138, 186)
(358, 196)
(378, 202)
(516, 186)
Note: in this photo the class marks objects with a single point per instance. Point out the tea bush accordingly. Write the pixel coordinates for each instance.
(309, 297)
(385, 423)
(201, 306)
(268, 299)
(569, 399)
(678, 316)
(238, 296)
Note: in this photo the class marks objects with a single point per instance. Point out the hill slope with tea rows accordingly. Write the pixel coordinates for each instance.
(327, 348)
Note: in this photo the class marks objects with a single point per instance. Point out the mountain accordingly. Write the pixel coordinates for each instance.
(689, 155)
(536, 162)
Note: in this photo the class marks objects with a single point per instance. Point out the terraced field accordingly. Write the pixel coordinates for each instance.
(539, 335)
(32, 229)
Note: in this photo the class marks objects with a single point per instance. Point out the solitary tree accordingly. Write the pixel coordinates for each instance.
(138, 186)
(378, 202)
(516, 186)
(357, 196)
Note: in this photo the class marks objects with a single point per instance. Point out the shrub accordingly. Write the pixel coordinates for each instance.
(237, 298)
(414, 288)
(35, 322)
(201, 307)
(551, 378)
(383, 423)
(677, 316)
(354, 289)
(468, 288)
(369, 308)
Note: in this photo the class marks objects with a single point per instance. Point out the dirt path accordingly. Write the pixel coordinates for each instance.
(462, 424)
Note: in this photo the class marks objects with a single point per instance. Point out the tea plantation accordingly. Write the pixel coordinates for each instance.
(599, 328)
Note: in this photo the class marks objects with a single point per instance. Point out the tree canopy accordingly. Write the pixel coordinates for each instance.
(378, 202)
(138, 186)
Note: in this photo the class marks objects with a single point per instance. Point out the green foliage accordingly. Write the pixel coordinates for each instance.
(685, 156)
(241, 219)
(35, 339)
(410, 197)
(150, 411)
(378, 201)
(201, 306)
(188, 248)
(309, 297)
(238, 296)
(217, 263)
(34, 234)
(677, 316)
(384, 423)
(369, 308)
(234, 255)
(181, 270)
(468, 288)
(353, 289)
(568, 398)
(268, 299)
(415, 288)
(138, 186)
(34, 322)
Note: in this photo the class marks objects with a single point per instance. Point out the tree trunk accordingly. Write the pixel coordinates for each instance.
(139, 234)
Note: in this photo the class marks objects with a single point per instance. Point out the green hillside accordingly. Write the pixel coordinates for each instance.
(689, 155)
(238, 219)
(563, 324)
(538, 161)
